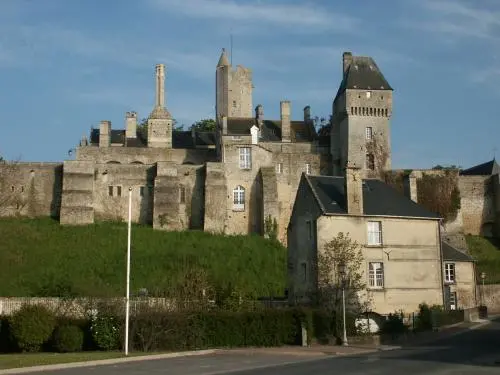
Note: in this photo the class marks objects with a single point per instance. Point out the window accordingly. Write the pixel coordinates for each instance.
(308, 168)
(309, 229)
(279, 168)
(141, 191)
(12, 188)
(368, 94)
(119, 191)
(303, 269)
(370, 161)
(369, 132)
(182, 193)
(245, 158)
(376, 274)
(449, 272)
(110, 191)
(239, 198)
(374, 233)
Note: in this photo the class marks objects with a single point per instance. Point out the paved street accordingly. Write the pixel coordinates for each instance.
(474, 352)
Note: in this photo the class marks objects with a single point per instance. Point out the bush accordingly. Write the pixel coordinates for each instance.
(68, 338)
(105, 329)
(32, 326)
(394, 325)
(6, 343)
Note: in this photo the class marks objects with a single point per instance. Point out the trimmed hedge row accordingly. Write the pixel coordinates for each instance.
(164, 331)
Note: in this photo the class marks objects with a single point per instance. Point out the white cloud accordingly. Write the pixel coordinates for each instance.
(260, 12)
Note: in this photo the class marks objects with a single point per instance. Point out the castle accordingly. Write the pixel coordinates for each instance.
(233, 180)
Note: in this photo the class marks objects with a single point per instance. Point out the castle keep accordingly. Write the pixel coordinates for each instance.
(232, 180)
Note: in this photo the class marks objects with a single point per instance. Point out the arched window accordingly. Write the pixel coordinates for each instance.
(239, 198)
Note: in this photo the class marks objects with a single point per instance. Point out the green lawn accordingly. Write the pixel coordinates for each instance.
(487, 255)
(40, 359)
(41, 258)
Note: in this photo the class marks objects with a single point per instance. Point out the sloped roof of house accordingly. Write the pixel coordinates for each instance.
(452, 254)
(301, 131)
(379, 199)
(489, 168)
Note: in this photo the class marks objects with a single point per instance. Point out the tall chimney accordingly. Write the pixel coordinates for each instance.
(285, 113)
(410, 186)
(160, 86)
(347, 60)
(105, 133)
(259, 115)
(307, 113)
(353, 189)
(131, 124)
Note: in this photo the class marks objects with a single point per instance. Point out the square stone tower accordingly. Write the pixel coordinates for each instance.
(361, 111)
(160, 120)
(234, 90)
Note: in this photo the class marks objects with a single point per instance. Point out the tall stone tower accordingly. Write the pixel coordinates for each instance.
(362, 111)
(233, 89)
(160, 120)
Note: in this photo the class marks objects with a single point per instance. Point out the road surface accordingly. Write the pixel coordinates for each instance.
(474, 352)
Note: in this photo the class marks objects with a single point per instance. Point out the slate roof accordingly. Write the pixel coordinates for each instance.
(363, 74)
(379, 199)
(489, 168)
(301, 131)
(451, 254)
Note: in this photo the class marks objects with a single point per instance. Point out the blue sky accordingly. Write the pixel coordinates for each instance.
(67, 64)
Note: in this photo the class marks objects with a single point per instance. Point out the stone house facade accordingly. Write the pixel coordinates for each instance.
(401, 243)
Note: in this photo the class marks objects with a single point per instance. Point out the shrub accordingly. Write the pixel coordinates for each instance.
(32, 326)
(6, 343)
(394, 325)
(105, 329)
(68, 338)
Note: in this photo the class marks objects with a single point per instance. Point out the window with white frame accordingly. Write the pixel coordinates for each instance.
(449, 272)
(239, 198)
(279, 168)
(369, 132)
(245, 158)
(376, 275)
(308, 168)
(374, 233)
(452, 301)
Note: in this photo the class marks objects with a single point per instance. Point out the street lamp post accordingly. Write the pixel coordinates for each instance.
(483, 276)
(127, 296)
(342, 272)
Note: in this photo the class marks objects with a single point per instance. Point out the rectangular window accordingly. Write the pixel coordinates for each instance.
(110, 191)
(245, 158)
(141, 191)
(449, 272)
(239, 199)
(119, 191)
(279, 168)
(369, 132)
(376, 274)
(303, 268)
(453, 301)
(374, 233)
(182, 194)
(308, 168)
(309, 229)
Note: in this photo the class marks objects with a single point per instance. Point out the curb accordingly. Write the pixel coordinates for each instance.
(102, 362)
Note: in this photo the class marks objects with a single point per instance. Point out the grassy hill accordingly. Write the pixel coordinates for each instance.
(487, 254)
(41, 258)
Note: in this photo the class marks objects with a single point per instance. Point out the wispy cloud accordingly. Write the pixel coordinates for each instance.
(306, 16)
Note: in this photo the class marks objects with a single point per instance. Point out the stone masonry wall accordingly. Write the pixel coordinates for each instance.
(477, 205)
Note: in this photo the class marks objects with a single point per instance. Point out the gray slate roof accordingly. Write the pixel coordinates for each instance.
(452, 254)
(489, 168)
(301, 131)
(379, 199)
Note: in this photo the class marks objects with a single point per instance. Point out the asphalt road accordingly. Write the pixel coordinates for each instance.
(473, 352)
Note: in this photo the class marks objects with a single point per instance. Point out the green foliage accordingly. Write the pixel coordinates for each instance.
(440, 194)
(91, 260)
(394, 325)
(433, 317)
(68, 338)
(105, 329)
(32, 326)
(204, 125)
(486, 252)
(271, 228)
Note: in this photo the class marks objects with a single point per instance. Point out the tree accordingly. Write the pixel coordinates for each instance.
(341, 250)
(204, 125)
(322, 125)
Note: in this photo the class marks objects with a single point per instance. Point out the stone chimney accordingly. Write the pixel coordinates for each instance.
(259, 115)
(410, 186)
(307, 114)
(347, 60)
(105, 133)
(285, 113)
(354, 189)
(160, 86)
(131, 124)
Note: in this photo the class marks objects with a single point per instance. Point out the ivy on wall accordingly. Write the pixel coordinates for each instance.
(440, 194)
